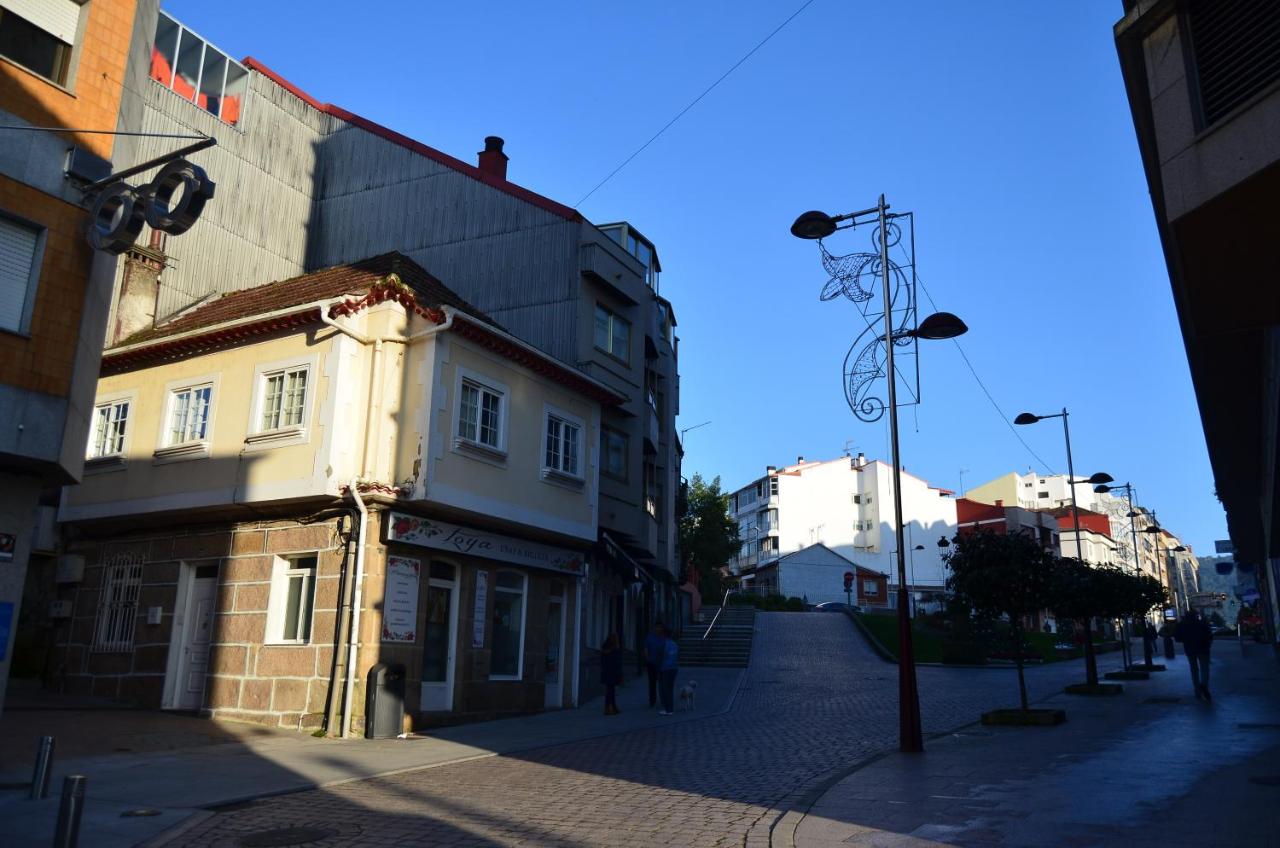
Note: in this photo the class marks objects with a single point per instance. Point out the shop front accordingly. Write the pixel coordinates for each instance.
(483, 622)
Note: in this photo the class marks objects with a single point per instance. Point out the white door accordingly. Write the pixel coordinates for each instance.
(555, 648)
(193, 664)
(439, 638)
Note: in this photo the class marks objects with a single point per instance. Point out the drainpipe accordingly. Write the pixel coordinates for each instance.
(353, 638)
(577, 628)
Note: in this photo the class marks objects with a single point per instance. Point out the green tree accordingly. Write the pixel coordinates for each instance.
(1083, 592)
(1002, 575)
(708, 536)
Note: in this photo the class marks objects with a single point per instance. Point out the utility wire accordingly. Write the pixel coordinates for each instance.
(983, 386)
(695, 101)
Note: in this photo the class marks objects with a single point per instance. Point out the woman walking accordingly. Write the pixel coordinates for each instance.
(611, 673)
(668, 669)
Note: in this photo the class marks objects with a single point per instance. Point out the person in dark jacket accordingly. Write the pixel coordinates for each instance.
(611, 673)
(653, 646)
(1196, 637)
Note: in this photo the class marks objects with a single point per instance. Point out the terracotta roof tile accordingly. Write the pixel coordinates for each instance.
(352, 278)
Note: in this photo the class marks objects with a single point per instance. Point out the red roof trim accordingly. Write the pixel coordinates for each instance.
(115, 363)
(535, 362)
(418, 147)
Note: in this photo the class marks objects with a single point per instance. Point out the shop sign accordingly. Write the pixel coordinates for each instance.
(443, 536)
(400, 606)
(170, 203)
(481, 611)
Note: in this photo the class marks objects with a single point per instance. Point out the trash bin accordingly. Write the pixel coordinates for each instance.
(384, 701)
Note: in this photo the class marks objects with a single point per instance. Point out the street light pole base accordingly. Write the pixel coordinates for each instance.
(910, 736)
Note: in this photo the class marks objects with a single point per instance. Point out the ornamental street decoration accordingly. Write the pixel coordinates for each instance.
(170, 203)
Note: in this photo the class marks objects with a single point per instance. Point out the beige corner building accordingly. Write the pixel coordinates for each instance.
(353, 451)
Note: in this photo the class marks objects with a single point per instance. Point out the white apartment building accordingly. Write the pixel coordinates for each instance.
(845, 504)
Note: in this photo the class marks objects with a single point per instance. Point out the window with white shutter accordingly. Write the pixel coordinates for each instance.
(20, 249)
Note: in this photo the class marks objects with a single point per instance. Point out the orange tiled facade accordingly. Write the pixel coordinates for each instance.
(92, 99)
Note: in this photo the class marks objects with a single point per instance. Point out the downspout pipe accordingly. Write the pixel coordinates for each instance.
(577, 628)
(353, 638)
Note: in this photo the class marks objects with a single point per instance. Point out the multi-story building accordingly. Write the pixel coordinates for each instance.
(979, 517)
(1096, 545)
(845, 504)
(1205, 118)
(1052, 492)
(305, 185)
(295, 482)
(61, 63)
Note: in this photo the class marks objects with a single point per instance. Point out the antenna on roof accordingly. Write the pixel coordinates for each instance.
(848, 444)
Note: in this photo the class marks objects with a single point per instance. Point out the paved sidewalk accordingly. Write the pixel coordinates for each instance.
(177, 783)
(1153, 767)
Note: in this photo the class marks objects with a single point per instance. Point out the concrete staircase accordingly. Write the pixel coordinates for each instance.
(729, 645)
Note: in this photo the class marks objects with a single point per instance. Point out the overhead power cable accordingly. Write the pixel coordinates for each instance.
(974, 371)
(695, 101)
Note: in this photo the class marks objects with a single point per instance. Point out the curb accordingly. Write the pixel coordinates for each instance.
(782, 830)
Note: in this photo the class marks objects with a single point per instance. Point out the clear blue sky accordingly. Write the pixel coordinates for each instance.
(1003, 125)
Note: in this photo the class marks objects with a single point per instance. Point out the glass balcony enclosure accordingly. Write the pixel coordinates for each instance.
(187, 64)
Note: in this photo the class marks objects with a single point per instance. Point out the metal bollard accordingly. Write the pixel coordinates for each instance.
(68, 833)
(43, 771)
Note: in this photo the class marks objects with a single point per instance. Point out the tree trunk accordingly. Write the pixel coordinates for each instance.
(1090, 658)
(1017, 659)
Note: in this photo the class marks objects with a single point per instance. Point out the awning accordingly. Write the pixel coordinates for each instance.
(620, 555)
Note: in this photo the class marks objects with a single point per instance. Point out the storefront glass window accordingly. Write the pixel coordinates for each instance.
(508, 626)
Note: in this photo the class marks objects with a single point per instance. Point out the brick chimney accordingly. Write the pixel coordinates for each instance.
(492, 160)
(139, 288)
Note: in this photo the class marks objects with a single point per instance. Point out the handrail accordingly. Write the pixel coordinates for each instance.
(716, 617)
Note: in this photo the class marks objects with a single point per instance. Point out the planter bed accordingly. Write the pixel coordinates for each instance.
(1131, 674)
(1024, 718)
(1094, 689)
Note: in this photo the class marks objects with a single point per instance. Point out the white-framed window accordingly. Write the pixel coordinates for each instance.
(562, 444)
(870, 587)
(118, 603)
(39, 35)
(187, 428)
(21, 254)
(281, 402)
(480, 423)
(109, 430)
(613, 333)
(614, 450)
(506, 660)
(293, 587)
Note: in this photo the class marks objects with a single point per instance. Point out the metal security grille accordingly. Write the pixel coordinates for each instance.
(118, 604)
(1236, 44)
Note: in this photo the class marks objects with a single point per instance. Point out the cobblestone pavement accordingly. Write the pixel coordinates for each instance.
(814, 700)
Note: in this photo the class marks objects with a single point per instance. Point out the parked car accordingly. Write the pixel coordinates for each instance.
(836, 606)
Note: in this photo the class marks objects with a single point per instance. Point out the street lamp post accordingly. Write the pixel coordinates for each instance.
(1090, 661)
(940, 325)
(1180, 595)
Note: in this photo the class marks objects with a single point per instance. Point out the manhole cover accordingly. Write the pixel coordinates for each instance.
(1259, 726)
(1163, 699)
(1266, 780)
(141, 813)
(285, 836)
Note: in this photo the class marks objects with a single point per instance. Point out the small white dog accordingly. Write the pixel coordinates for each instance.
(689, 695)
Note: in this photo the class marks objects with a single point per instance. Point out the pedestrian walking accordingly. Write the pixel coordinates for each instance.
(611, 673)
(1148, 641)
(667, 669)
(653, 645)
(1197, 638)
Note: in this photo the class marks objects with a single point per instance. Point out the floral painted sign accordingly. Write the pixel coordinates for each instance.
(400, 606)
(443, 536)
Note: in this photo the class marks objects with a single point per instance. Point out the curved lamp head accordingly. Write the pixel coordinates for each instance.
(1102, 490)
(1026, 418)
(944, 542)
(1180, 549)
(813, 225)
(1101, 477)
(941, 325)
(919, 547)
(1152, 529)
